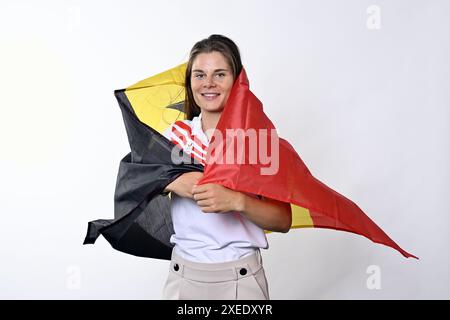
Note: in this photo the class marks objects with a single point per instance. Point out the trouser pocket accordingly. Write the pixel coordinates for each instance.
(261, 279)
(253, 287)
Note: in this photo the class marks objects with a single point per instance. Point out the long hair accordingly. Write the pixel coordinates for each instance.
(215, 42)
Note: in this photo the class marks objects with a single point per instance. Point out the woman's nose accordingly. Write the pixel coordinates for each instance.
(209, 82)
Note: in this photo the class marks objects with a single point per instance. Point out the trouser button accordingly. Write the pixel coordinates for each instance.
(243, 271)
(176, 267)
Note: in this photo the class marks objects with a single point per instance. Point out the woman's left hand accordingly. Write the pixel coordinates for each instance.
(216, 198)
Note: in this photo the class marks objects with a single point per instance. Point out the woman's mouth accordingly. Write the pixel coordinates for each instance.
(210, 96)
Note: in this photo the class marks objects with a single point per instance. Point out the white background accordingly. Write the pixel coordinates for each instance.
(366, 109)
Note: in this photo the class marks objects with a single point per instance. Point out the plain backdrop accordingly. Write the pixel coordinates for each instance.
(359, 88)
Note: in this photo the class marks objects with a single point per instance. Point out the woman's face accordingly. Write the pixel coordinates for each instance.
(211, 81)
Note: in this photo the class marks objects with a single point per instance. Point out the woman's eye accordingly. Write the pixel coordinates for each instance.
(220, 75)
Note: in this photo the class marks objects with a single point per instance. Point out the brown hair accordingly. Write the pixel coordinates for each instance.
(215, 42)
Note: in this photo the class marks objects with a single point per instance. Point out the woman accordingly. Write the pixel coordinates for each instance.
(218, 232)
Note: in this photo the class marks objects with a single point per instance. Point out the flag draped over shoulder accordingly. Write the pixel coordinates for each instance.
(142, 223)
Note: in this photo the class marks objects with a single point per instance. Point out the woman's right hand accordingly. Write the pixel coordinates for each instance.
(184, 184)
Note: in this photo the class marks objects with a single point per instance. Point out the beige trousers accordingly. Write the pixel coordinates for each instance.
(242, 279)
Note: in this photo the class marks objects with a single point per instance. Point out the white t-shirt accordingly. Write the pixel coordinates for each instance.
(207, 237)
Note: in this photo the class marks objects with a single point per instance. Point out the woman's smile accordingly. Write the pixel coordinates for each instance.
(210, 96)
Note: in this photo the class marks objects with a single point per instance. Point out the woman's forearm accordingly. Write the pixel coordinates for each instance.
(267, 213)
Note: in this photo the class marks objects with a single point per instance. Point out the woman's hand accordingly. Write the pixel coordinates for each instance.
(216, 198)
(183, 185)
(269, 214)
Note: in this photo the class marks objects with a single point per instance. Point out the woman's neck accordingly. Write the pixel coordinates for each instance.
(209, 121)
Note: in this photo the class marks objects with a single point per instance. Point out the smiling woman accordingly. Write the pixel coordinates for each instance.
(218, 231)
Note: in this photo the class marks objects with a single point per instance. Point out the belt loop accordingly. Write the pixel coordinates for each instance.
(258, 262)
(259, 256)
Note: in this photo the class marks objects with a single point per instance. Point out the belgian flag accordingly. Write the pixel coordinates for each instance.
(142, 223)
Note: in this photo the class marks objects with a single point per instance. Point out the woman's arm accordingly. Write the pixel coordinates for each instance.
(268, 214)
